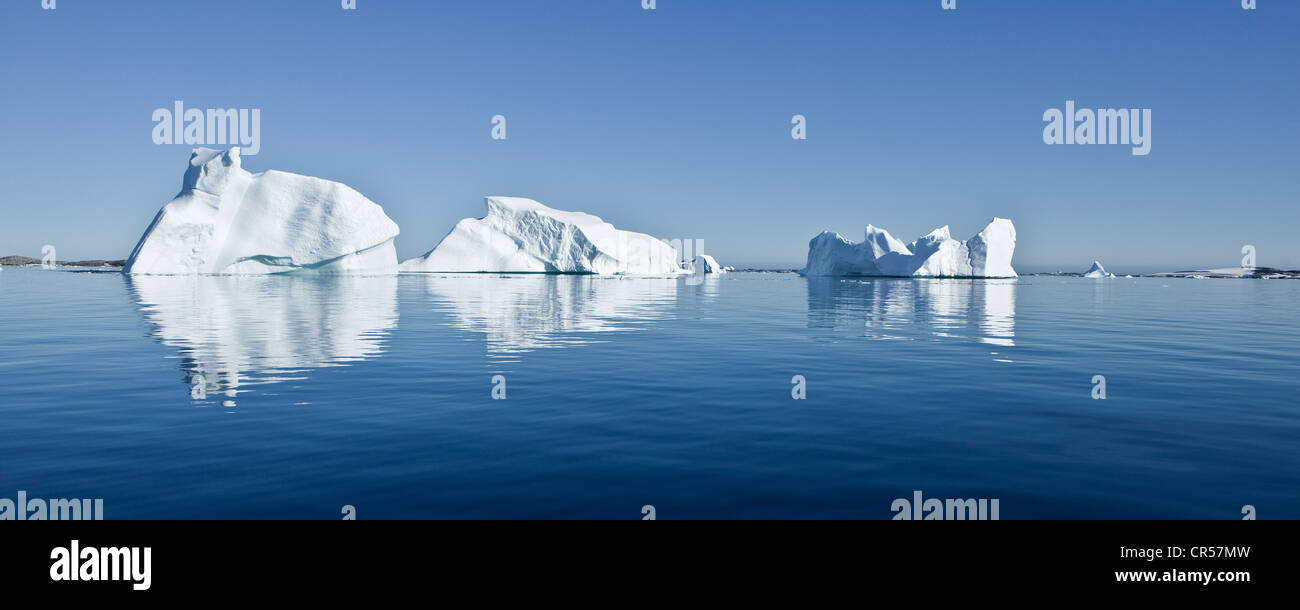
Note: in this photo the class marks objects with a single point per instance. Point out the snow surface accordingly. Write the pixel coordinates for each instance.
(520, 235)
(1097, 272)
(229, 221)
(987, 254)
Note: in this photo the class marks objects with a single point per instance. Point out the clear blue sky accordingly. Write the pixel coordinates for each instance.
(676, 121)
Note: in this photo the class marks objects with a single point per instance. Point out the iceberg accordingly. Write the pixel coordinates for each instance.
(520, 235)
(986, 255)
(707, 264)
(227, 221)
(1097, 272)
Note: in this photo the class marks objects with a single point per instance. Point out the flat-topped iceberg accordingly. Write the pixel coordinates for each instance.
(231, 222)
(986, 255)
(1096, 271)
(520, 235)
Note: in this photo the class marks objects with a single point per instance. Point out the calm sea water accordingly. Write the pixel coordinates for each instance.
(285, 397)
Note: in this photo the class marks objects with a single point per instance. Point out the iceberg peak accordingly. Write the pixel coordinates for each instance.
(209, 169)
(882, 242)
(201, 156)
(940, 233)
(1096, 271)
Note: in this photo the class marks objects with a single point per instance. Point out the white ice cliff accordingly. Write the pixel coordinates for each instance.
(1097, 272)
(231, 222)
(988, 254)
(520, 235)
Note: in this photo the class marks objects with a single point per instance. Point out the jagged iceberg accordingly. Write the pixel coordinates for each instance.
(520, 235)
(1097, 272)
(229, 221)
(987, 254)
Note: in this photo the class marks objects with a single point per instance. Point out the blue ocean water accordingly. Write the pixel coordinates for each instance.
(282, 397)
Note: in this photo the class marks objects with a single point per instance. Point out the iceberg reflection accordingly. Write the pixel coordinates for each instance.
(998, 320)
(238, 331)
(522, 313)
(910, 309)
(948, 303)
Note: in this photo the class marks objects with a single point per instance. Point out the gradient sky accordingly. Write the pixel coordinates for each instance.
(676, 122)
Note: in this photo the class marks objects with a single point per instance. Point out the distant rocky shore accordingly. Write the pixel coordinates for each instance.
(1261, 273)
(22, 261)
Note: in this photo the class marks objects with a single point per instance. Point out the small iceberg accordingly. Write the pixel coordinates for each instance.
(986, 255)
(1097, 272)
(227, 221)
(707, 264)
(520, 235)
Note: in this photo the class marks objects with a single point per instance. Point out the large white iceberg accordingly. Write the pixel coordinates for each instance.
(520, 235)
(229, 221)
(987, 254)
(1097, 272)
